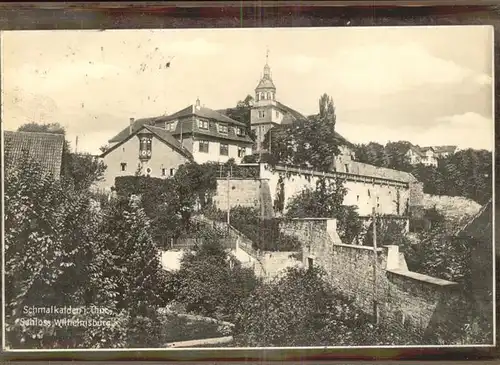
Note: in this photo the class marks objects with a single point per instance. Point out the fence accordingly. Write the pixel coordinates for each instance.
(241, 171)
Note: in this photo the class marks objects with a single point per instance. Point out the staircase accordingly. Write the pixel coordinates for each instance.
(266, 200)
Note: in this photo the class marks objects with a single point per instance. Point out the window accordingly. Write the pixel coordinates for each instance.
(203, 124)
(224, 149)
(310, 263)
(172, 172)
(346, 168)
(369, 193)
(239, 131)
(123, 166)
(163, 171)
(241, 152)
(204, 146)
(223, 128)
(145, 147)
(262, 114)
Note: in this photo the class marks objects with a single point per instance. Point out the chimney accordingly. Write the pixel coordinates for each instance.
(197, 103)
(132, 120)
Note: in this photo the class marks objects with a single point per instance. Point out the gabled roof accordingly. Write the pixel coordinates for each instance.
(201, 112)
(445, 149)
(162, 134)
(125, 133)
(291, 115)
(191, 110)
(44, 148)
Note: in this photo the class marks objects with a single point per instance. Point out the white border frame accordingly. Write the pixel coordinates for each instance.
(8, 350)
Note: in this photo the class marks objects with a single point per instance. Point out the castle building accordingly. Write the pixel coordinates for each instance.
(268, 113)
(157, 146)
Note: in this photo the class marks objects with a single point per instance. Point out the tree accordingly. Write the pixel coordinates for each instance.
(326, 201)
(55, 128)
(82, 170)
(323, 202)
(211, 282)
(309, 143)
(54, 257)
(242, 114)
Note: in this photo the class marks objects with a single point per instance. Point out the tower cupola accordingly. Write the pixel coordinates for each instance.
(265, 90)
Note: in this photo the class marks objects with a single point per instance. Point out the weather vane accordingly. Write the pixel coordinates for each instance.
(267, 55)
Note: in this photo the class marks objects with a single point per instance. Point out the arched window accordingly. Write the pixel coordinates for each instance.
(269, 96)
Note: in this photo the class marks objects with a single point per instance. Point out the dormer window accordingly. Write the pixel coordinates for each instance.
(203, 124)
(239, 131)
(223, 129)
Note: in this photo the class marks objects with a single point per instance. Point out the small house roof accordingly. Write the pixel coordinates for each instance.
(44, 148)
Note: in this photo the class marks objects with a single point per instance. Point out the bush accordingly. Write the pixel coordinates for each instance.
(211, 282)
(302, 309)
(265, 234)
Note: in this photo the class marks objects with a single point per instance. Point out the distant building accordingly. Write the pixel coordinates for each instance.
(44, 148)
(149, 151)
(195, 133)
(422, 155)
(429, 156)
(445, 151)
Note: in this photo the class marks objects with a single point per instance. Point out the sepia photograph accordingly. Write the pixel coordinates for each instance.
(248, 188)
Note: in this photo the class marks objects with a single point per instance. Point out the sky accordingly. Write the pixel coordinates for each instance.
(426, 85)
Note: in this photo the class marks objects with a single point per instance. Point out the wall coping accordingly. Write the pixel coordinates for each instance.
(422, 278)
(242, 178)
(308, 219)
(358, 247)
(334, 174)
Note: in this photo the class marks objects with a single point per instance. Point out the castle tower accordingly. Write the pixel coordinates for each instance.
(265, 113)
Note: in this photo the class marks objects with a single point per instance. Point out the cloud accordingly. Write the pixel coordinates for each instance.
(385, 68)
(467, 120)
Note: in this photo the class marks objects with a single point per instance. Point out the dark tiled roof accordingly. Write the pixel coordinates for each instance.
(188, 125)
(44, 148)
(266, 83)
(293, 114)
(201, 112)
(382, 172)
(443, 149)
(168, 138)
(417, 150)
(135, 127)
(162, 134)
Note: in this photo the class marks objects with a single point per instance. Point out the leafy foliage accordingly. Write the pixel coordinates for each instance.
(43, 128)
(242, 114)
(63, 249)
(265, 234)
(170, 203)
(54, 256)
(301, 309)
(466, 173)
(211, 282)
(326, 202)
(307, 143)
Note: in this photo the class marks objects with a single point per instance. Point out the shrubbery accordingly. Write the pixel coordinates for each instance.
(265, 234)
(301, 309)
